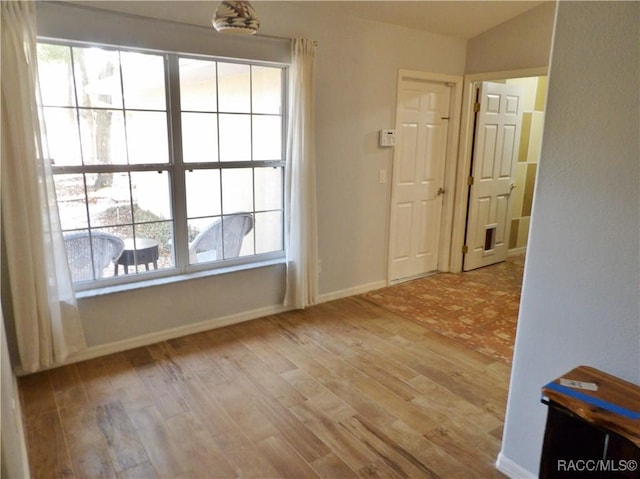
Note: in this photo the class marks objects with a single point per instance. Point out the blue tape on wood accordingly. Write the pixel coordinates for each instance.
(594, 401)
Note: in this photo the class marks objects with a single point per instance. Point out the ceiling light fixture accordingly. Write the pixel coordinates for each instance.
(236, 18)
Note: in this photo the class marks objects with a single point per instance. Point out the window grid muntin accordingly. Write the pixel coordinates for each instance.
(175, 166)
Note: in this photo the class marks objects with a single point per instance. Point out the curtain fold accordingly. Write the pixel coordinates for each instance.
(46, 318)
(300, 184)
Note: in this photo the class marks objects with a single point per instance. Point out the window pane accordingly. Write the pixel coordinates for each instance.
(143, 81)
(268, 188)
(268, 232)
(203, 193)
(103, 138)
(247, 247)
(151, 196)
(199, 137)
(54, 71)
(234, 88)
(204, 234)
(208, 243)
(61, 136)
(235, 138)
(147, 137)
(237, 190)
(91, 254)
(108, 199)
(97, 75)
(71, 201)
(197, 85)
(267, 138)
(266, 90)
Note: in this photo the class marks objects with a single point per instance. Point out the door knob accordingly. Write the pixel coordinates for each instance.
(440, 191)
(512, 187)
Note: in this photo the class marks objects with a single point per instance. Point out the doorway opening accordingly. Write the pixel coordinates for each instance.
(521, 183)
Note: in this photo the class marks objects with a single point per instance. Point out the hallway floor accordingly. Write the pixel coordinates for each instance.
(478, 308)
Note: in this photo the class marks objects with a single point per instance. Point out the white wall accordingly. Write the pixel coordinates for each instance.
(356, 72)
(581, 282)
(357, 66)
(523, 42)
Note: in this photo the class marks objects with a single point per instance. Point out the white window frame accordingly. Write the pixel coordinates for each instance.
(176, 170)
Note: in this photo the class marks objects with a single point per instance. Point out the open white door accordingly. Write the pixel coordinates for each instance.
(422, 120)
(496, 143)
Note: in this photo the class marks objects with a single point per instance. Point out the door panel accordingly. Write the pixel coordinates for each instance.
(497, 137)
(418, 174)
(404, 215)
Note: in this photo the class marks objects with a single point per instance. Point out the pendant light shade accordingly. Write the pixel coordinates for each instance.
(237, 18)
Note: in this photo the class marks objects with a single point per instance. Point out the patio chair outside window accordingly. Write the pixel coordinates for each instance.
(209, 244)
(90, 254)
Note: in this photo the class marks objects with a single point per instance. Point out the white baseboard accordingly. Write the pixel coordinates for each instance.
(517, 251)
(323, 298)
(93, 352)
(512, 469)
(156, 337)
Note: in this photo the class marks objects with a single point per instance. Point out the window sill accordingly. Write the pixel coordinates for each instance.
(106, 290)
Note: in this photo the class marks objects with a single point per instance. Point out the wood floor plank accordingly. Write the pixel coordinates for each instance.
(47, 449)
(197, 448)
(285, 459)
(270, 381)
(86, 444)
(256, 337)
(95, 381)
(244, 456)
(291, 429)
(67, 386)
(127, 385)
(332, 466)
(158, 443)
(349, 451)
(192, 351)
(449, 403)
(241, 404)
(36, 394)
(443, 463)
(160, 380)
(140, 471)
(205, 407)
(123, 443)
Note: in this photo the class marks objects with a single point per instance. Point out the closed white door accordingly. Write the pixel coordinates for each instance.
(422, 119)
(496, 143)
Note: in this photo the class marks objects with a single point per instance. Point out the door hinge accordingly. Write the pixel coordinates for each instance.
(470, 181)
(465, 249)
(476, 107)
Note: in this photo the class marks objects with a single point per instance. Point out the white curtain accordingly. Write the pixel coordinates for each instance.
(300, 186)
(46, 318)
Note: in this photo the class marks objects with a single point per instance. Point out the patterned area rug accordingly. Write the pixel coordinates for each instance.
(478, 308)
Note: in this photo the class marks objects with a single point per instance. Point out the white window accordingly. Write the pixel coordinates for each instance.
(179, 158)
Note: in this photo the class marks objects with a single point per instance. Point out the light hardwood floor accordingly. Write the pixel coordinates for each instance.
(342, 390)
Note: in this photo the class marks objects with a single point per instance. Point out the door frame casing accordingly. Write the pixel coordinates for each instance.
(446, 226)
(465, 153)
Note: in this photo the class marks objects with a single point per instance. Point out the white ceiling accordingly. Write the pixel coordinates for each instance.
(458, 18)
